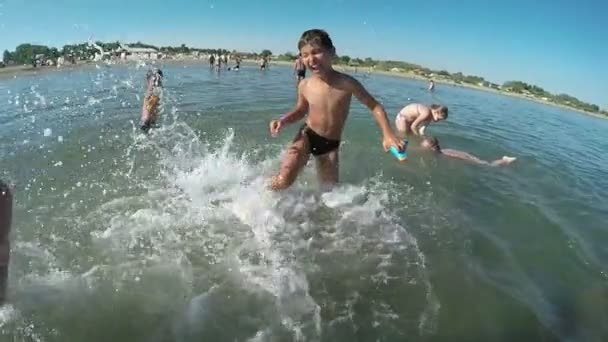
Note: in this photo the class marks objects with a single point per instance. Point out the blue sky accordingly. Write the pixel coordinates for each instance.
(558, 45)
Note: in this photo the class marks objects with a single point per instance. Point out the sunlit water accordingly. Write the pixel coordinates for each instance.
(119, 236)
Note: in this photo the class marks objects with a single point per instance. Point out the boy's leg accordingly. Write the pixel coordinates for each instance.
(401, 126)
(503, 161)
(294, 160)
(6, 206)
(328, 169)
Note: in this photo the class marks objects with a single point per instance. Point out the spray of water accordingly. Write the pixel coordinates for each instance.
(184, 234)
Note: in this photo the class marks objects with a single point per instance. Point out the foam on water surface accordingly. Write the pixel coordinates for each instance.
(204, 237)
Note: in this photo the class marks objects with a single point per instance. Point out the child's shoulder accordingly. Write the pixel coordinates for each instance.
(347, 81)
(346, 77)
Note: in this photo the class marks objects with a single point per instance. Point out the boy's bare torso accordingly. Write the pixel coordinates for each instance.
(328, 104)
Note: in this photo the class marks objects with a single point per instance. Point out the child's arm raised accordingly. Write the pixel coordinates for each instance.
(296, 114)
(388, 136)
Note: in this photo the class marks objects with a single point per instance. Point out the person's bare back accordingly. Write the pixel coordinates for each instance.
(409, 114)
(415, 117)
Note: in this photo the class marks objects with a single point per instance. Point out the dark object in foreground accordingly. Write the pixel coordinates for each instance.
(6, 208)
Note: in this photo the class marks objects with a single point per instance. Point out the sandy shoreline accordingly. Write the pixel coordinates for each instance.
(28, 70)
(25, 70)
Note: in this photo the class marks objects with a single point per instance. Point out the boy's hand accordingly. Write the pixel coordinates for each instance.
(275, 127)
(392, 140)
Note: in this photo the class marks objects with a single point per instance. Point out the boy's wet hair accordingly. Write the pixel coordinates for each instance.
(442, 109)
(316, 37)
(432, 142)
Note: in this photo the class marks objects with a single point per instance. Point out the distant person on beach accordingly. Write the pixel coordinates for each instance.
(326, 97)
(6, 208)
(432, 144)
(218, 63)
(299, 68)
(415, 117)
(431, 86)
(263, 63)
(211, 61)
(237, 61)
(149, 113)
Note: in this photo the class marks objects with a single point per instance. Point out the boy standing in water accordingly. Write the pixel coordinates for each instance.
(299, 68)
(6, 206)
(431, 143)
(149, 113)
(415, 117)
(326, 97)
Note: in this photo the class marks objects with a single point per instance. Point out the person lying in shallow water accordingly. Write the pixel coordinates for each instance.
(149, 113)
(432, 144)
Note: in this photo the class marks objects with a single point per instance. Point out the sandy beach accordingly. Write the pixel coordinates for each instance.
(26, 70)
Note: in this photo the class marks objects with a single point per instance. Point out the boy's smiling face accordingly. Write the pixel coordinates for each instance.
(316, 58)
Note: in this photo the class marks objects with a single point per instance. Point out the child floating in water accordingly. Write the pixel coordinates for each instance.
(149, 113)
(431, 143)
(326, 97)
(415, 117)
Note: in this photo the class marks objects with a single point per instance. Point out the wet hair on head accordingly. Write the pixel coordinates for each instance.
(441, 108)
(316, 37)
(432, 142)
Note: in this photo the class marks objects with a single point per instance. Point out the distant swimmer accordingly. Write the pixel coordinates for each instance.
(299, 68)
(325, 100)
(6, 208)
(431, 86)
(149, 113)
(432, 144)
(211, 61)
(415, 117)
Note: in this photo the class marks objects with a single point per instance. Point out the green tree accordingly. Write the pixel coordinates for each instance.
(443, 73)
(7, 56)
(183, 49)
(142, 45)
(368, 62)
(344, 59)
(266, 53)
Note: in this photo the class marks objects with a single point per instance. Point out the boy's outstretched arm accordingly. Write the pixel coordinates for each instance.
(415, 127)
(296, 114)
(389, 137)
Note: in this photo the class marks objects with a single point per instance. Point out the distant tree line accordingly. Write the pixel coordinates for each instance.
(517, 87)
(27, 54)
